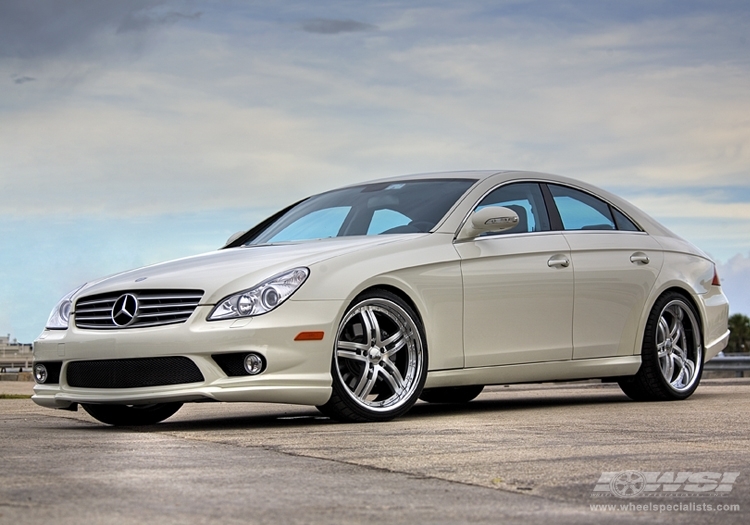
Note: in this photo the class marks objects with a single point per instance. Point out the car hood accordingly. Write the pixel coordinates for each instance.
(223, 272)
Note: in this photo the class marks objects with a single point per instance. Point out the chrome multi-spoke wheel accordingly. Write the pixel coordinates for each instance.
(672, 353)
(677, 349)
(379, 362)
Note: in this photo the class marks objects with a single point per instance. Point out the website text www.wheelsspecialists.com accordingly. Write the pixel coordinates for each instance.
(682, 506)
(676, 491)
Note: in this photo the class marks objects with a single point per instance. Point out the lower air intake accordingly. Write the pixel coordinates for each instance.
(133, 373)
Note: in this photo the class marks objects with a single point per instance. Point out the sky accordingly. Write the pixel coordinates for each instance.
(141, 131)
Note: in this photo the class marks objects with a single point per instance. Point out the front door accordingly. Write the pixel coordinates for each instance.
(518, 286)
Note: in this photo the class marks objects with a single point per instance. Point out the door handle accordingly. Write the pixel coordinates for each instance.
(639, 257)
(558, 260)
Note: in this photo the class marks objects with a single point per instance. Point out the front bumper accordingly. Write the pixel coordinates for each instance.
(297, 372)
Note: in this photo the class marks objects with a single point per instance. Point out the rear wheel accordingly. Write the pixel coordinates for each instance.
(379, 363)
(672, 353)
(451, 394)
(131, 415)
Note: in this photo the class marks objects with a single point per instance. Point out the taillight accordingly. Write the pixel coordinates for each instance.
(716, 281)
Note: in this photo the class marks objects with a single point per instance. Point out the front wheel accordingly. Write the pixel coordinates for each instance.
(131, 415)
(379, 363)
(672, 353)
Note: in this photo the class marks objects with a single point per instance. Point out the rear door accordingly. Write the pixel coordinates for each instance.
(615, 266)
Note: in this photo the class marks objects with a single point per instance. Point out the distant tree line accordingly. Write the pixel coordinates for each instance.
(739, 336)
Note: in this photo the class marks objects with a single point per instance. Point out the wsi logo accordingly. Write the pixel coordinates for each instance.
(631, 483)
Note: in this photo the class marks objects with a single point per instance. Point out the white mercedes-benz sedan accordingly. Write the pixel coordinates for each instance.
(363, 299)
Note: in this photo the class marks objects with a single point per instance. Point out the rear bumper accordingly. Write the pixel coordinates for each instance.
(715, 314)
(713, 348)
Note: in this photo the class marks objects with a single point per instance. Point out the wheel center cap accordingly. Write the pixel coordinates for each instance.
(374, 354)
(668, 344)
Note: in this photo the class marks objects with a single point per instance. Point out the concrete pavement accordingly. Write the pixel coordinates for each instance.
(520, 454)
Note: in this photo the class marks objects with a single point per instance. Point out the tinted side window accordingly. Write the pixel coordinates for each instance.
(581, 211)
(623, 223)
(525, 198)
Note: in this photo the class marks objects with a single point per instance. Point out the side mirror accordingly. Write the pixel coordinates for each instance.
(234, 237)
(489, 219)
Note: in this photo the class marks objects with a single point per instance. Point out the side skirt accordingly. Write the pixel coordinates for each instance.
(536, 372)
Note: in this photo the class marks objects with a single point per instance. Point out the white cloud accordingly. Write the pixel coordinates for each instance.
(682, 205)
(735, 281)
(240, 108)
(616, 101)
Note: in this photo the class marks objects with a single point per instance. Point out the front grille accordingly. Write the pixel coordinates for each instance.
(150, 308)
(133, 373)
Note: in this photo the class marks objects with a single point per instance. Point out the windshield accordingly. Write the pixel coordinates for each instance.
(373, 209)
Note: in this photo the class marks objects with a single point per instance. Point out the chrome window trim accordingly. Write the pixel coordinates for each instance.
(599, 197)
(544, 181)
(476, 203)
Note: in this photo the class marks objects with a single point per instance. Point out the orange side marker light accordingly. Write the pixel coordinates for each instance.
(310, 336)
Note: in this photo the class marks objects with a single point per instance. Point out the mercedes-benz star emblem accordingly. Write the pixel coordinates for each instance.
(124, 310)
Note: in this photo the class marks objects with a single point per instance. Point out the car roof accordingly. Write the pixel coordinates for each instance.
(469, 174)
(499, 176)
(491, 178)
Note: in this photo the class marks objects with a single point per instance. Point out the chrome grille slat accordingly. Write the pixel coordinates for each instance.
(165, 314)
(88, 302)
(174, 298)
(93, 310)
(155, 308)
(158, 323)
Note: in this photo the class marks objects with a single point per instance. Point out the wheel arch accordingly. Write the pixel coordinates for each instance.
(652, 381)
(395, 290)
(438, 310)
(689, 295)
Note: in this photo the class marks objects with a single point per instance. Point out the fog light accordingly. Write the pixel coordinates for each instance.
(253, 364)
(40, 373)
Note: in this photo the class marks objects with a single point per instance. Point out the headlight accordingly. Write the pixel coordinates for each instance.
(58, 319)
(260, 299)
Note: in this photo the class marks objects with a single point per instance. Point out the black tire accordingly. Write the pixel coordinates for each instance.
(451, 394)
(131, 415)
(671, 355)
(379, 362)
